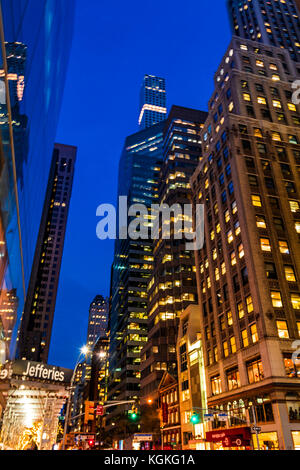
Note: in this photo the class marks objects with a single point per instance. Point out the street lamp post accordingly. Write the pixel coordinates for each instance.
(84, 350)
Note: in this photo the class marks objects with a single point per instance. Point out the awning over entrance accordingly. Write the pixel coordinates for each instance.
(235, 437)
(34, 394)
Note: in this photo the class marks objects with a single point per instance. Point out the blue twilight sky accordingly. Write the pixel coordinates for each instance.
(115, 44)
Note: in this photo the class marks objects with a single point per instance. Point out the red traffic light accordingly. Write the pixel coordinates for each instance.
(91, 442)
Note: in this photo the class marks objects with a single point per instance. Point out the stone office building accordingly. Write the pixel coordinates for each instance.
(248, 273)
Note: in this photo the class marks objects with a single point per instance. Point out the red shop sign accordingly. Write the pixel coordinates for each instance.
(235, 437)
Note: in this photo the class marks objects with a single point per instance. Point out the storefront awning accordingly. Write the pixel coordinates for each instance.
(235, 437)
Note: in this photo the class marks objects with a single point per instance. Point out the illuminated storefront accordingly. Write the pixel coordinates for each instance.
(296, 439)
(267, 441)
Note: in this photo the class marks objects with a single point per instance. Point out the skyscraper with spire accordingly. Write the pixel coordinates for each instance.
(153, 102)
(132, 267)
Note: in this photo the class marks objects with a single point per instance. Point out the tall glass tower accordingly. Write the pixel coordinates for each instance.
(132, 268)
(37, 319)
(36, 37)
(271, 22)
(153, 103)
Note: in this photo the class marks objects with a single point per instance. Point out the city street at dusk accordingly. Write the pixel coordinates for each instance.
(149, 229)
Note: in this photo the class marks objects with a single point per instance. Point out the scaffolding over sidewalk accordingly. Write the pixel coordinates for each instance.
(33, 404)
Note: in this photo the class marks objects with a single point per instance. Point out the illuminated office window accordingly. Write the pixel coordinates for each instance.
(282, 329)
(276, 299)
(245, 339)
(261, 221)
(256, 200)
(265, 244)
(233, 344)
(254, 334)
(289, 273)
(249, 303)
(225, 349)
(295, 299)
(284, 247)
(241, 310)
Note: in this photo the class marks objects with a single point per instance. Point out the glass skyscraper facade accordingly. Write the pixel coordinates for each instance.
(132, 268)
(272, 22)
(37, 320)
(35, 38)
(153, 101)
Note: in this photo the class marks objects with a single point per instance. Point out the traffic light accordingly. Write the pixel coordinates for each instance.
(195, 419)
(133, 414)
(89, 411)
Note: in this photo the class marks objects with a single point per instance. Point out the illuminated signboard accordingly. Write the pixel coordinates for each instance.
(36, 371)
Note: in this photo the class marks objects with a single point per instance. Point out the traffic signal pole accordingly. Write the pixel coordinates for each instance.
(255, 424)
(108, 404)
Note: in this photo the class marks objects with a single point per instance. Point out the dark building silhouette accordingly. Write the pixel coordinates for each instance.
(37, 320)
(98, 320)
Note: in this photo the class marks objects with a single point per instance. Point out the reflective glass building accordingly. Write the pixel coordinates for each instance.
(153, 101)
(35, 45)
(132, 267)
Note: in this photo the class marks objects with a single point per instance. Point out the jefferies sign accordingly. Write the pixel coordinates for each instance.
(5, 374)
(36, 371)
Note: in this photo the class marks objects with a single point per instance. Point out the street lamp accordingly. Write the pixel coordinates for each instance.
(83, 352)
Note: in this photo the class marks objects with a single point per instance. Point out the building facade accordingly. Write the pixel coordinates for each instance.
(169, 411)
(132, 267)
(32, 71)
(37, 319)
(191, 381)
(153, 101)
(173, 285)
(248, 271)
(99, 371)
(271, 22)
(98, 320)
